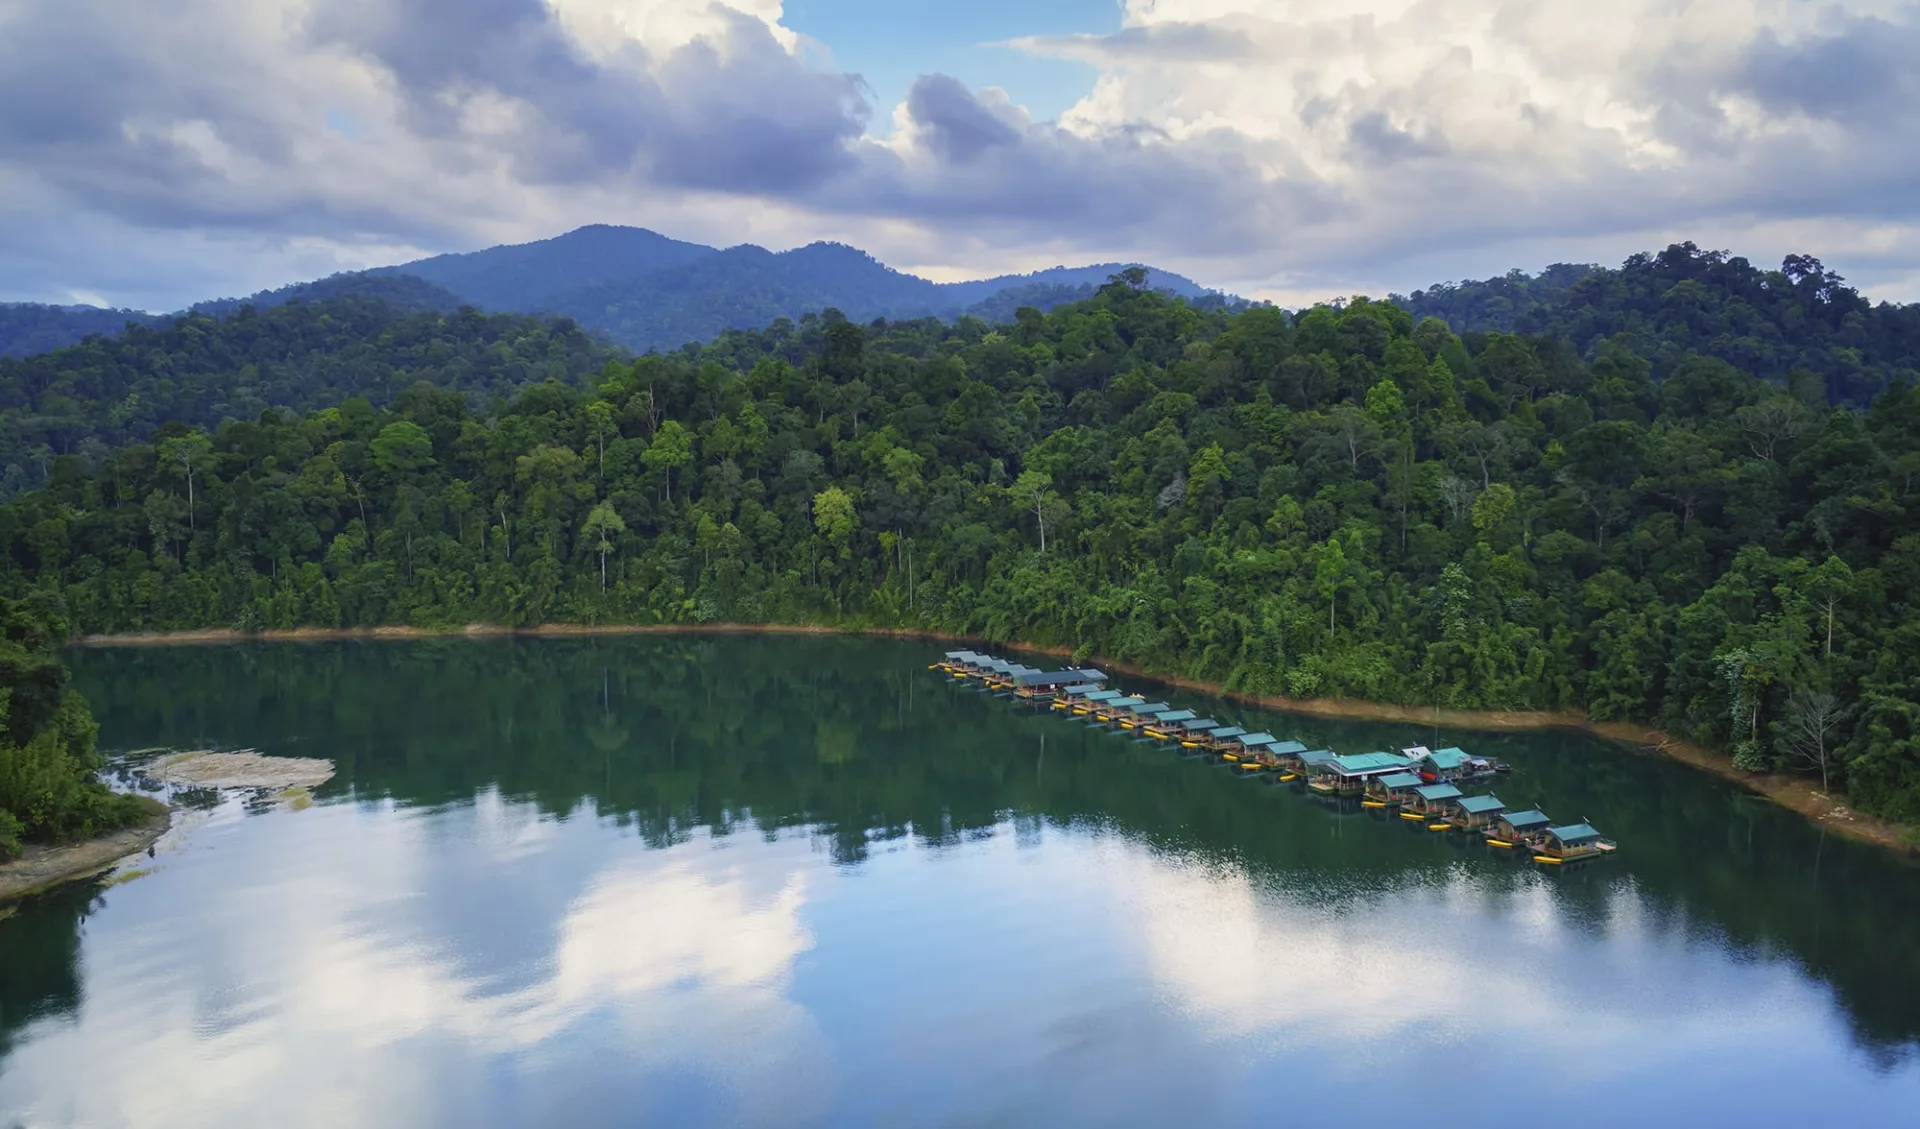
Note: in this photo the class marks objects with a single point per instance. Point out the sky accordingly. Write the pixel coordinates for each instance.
(152, 155)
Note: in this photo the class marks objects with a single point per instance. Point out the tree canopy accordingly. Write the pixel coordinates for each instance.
(1349, 501)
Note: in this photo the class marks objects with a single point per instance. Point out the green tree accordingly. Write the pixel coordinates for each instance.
(402, 447)
(671, 449)
(603, 524)
(833, 516)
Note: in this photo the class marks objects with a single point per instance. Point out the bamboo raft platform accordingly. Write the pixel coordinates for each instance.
(1419, 785)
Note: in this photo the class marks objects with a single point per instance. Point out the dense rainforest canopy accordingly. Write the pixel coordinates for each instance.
(1343, 502)
(201, 369)
(1800, 324)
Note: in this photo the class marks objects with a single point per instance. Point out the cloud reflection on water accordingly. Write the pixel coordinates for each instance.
(483, 964)
(296, 961)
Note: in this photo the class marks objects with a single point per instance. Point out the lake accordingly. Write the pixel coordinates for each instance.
(705, 881)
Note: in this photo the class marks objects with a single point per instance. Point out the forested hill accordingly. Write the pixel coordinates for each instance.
(1346, 503)
(646, 291)
(198, 370)
(27, 328)
(1799, 324)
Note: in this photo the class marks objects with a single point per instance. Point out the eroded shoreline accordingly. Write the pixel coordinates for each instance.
(1787, 791)
(42, 868)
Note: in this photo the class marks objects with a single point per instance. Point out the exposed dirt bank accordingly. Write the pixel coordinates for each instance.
(1787, 791)
(42, 868)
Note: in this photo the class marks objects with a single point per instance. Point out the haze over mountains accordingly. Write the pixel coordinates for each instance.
(640, 288)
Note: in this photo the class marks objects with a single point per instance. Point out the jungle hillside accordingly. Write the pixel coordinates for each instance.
(1349, 501)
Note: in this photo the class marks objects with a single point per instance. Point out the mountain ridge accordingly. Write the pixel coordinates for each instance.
(641, 289)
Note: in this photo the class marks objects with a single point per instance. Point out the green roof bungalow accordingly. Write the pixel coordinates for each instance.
(1054, 683)
(1091, 703)
(1348, 776)
(1193, 732)
(1477, 813)
(1449, 765)
(1519, 829)
(1431, 800)
(1571, 842)
(1166, 725)
(1137, 716)
(1245, 746)
(1222, 738)
(1116, 708)
(1307, 761)
(966, 664)
(1282, 755)
(1391, 789)
(1009, 678)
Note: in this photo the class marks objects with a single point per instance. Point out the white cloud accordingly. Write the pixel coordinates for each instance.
(1293, 147)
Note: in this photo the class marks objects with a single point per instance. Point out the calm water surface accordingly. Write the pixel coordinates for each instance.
(691, 882)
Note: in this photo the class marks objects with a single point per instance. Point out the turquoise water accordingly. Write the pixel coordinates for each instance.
(739, 881)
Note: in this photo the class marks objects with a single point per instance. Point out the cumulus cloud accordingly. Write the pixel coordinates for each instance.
(1268, 144)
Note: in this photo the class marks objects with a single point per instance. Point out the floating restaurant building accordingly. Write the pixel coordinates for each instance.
(1348, 776)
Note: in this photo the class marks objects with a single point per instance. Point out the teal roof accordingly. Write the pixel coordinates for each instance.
(1447, 758)
(1288, 747)
(1200, 724)
(1172, 716)
(1317, 756)
(1223, 734)
(1533, 817)
(1103, 695)
(1127, 703)
(1369, 762)
(1480, 805)
(1401, 780)
(1149, 708)
(1252, 739)
(1573, 833)
(1434, 792)
(1088, 689)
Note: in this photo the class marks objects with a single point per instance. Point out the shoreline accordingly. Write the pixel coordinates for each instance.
(1790, 792)
(42, 868)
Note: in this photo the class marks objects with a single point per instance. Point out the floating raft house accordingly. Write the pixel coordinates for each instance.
(1421, 782)
(1167, 724)
(1348, 776)
(1478, 812)
(1571, 843)
(1055, 684)
(1519, 828)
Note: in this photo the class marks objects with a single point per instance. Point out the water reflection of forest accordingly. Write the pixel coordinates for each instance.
(855, 739)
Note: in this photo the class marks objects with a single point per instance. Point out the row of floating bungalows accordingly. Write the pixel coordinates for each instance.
(1418, 783)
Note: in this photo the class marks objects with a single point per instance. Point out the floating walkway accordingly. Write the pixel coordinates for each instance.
(1418, 784)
